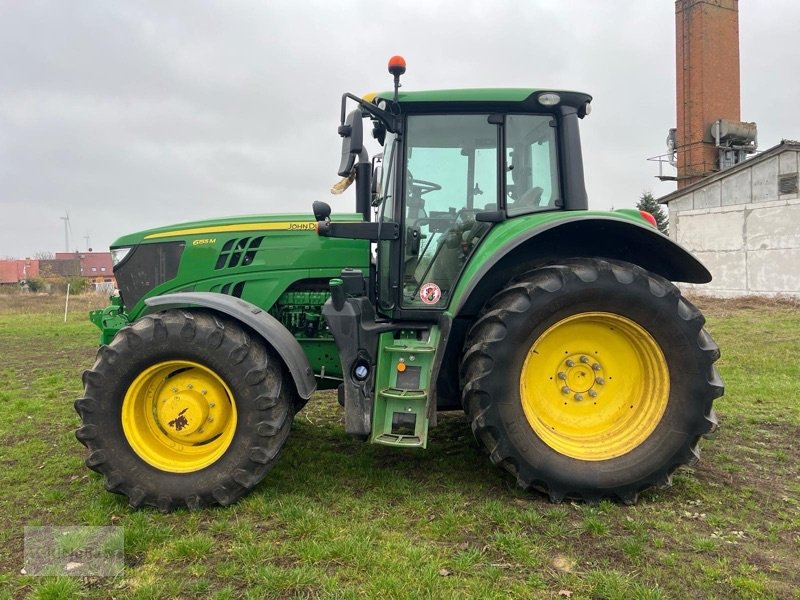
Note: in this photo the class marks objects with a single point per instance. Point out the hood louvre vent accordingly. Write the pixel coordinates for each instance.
(238, 253)
(233, 289)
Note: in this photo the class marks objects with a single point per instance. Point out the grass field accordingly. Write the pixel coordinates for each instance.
(340, 519)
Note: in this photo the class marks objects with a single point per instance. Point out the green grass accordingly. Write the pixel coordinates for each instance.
(340, 519)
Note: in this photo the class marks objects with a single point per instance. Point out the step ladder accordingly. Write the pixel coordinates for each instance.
(400, 410)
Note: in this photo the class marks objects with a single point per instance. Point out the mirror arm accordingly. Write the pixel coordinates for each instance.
(359, 231)
(389, 121)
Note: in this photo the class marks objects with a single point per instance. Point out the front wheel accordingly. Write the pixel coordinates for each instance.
(186, 409)
(590, 379)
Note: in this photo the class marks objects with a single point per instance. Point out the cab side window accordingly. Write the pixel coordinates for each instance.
(531, 164)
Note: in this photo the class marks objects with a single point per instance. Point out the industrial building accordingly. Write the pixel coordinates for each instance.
(737, 210)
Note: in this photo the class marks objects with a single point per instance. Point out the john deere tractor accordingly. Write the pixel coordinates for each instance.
(471, 276)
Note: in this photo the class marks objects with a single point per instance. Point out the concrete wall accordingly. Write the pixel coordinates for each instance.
(744, 230)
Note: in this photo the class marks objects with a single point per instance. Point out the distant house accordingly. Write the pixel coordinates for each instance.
(743, 223)
(96, 267)
(59, 268)
(12, 272)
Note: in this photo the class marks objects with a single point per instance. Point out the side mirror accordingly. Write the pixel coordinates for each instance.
(377, 179)
(352, 142)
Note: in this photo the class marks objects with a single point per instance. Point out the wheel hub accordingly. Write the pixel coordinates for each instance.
(182, 414)
(579, 375)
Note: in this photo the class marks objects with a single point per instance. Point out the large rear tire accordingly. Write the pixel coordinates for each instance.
(184, 409)
(590, 379)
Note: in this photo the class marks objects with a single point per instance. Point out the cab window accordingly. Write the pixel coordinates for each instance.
(531, 164)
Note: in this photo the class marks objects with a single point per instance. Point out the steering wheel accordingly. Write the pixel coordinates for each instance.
(425, 186)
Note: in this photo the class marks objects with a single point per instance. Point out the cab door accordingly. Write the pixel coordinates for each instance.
(451, 174)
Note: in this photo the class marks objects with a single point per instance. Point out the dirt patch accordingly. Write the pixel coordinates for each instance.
(720, 306)
(770, 464)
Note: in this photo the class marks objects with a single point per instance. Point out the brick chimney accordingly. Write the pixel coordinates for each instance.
(707, 39)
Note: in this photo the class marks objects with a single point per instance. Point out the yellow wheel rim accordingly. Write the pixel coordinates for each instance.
(594, 386)
(179, 416)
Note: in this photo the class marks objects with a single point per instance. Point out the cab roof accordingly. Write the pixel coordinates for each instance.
(524, 99)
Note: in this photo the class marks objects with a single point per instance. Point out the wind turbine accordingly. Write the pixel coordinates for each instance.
(67, 230)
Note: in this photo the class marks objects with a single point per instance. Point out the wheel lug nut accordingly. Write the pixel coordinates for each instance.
(570, 362)
(204, 392)
(585, 360)
(600, 381)
(562, 375)
(592, 394)
(189, 386)
(596, 367)
(211, 405)
(210, 419)
(200, 430)
(565, 390)
(578, 397)
(174, 390)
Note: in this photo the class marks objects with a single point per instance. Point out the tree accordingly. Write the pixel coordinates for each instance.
(648, 204)
(44, 255)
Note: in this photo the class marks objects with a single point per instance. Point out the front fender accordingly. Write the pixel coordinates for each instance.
(263, 323)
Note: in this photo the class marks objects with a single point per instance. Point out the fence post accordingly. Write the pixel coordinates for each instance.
(66, 304)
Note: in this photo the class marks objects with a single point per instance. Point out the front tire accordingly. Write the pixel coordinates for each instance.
(590, 379)
(184, 408)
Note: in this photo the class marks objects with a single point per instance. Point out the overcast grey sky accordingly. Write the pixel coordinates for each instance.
(131, 115)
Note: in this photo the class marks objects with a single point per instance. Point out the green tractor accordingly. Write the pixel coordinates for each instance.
(471, 276)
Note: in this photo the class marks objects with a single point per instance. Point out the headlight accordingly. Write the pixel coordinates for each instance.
(119, 254)
(549, 99)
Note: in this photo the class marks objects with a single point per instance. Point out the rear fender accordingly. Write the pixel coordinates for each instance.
(264, 324)
(578, 236)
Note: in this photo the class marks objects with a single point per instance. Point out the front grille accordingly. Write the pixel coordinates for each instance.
(147, 266)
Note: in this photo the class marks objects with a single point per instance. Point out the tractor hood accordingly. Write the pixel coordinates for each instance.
(208, 228)
(254, 257)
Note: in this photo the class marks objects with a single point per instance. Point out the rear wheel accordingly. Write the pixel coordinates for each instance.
(184, 409)
(590, 379)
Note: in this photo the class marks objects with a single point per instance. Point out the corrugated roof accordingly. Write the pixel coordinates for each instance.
(761, 156)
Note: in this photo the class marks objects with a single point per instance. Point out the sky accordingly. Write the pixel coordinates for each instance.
(129, 115)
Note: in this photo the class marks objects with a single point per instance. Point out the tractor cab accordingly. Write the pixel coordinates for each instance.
(454, 163)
